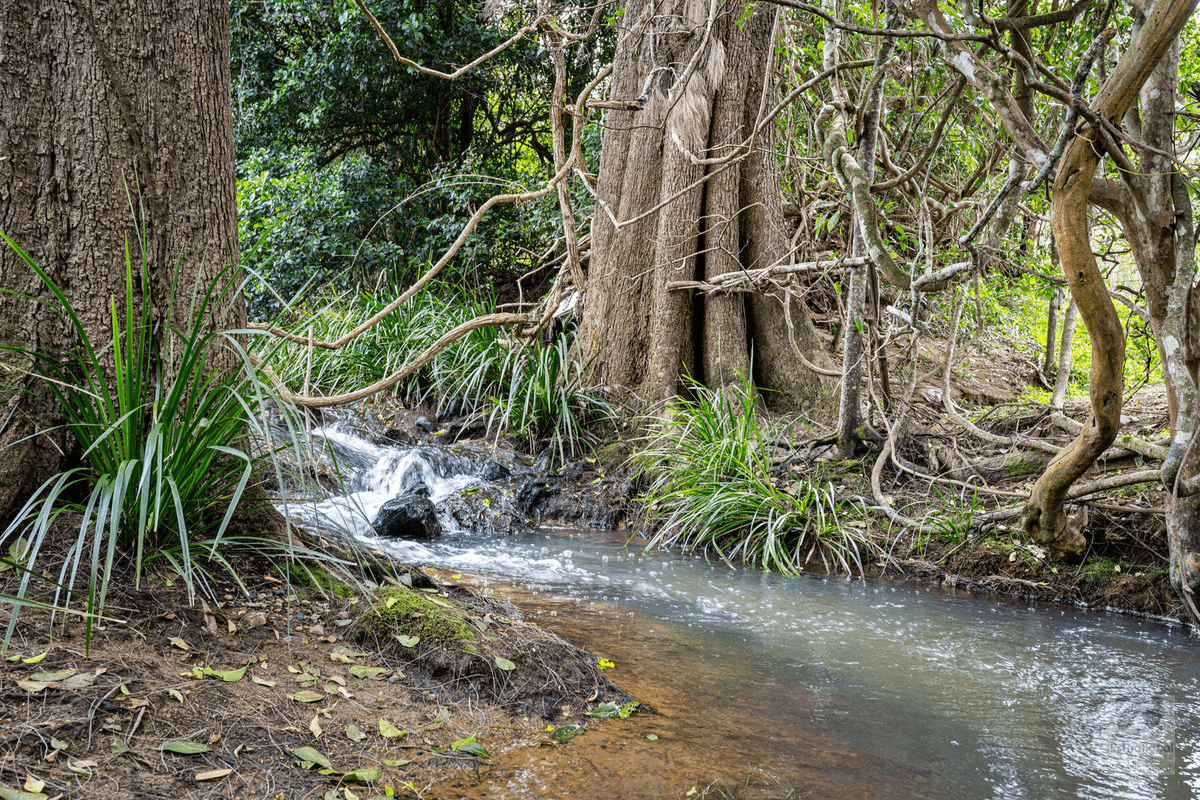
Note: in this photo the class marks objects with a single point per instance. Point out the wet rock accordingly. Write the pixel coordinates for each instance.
(487, 509)
(398, 436)
(491, 470)
(426, 424)
(408, 517)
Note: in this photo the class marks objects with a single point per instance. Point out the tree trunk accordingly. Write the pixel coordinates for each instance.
(643, 337)
(1043, 516)
(97, 100)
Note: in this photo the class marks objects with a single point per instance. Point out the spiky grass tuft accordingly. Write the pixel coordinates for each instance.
(709, 466)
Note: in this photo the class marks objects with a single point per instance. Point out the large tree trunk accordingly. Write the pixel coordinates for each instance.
(643, 336)
(96, 98)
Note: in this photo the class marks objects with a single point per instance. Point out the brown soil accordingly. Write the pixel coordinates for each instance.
(89, 720)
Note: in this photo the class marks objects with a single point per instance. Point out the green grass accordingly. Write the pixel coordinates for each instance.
(709, 468)
(532, 389)
(166, 452)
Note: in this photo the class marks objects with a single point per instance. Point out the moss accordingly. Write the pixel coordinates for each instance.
(319, 578)
(1019, 464)
(405, 611)
(1100, 569)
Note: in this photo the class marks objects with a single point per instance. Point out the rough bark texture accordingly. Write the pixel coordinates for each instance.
(95, 97)
(643, 336)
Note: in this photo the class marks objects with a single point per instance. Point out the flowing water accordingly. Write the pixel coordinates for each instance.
(776, 687)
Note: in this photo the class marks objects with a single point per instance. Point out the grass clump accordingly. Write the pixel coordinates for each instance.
(711, 483)
(164, 422)
(404, 611)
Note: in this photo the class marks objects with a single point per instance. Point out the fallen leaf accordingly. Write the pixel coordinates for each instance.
(312, 756)
(33, 784)
(180, 643)
(361, 775)
(227, 675)
(261, 681)
(183, 748)
(307, 696)
(408, 641)
(354, 733)
(361, 671)
(35, 659)
(389, 731)
(396, 762)
(175, 693)
(213, 774)
(505, 664)
(315, 727)
(17, 794)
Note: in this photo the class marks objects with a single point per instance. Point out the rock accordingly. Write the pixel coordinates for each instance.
(425, 424)
(398, 436)
(493, 471)
(255, 620)
(407, 517)
(317, 630)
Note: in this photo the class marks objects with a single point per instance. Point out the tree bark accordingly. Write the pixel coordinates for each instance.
(642, 336)
(98, 103)
(1043, 516)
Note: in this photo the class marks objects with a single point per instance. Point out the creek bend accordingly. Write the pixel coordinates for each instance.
(841, 688)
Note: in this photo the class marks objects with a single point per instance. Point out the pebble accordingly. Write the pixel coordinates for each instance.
(317, 630)
(343, 615)
(255, 620)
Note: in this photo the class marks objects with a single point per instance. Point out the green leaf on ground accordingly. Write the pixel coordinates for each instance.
(408, 641)
(307, 696)
(312, 756)
(262, 681)
(471, 747)
(565, 733)
(362, 671)
(227, 675)
(183, 748)
(361, 775)
(505, 664)
(389, 731)
(354, 733)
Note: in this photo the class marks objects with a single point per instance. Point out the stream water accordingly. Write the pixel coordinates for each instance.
(771, 685)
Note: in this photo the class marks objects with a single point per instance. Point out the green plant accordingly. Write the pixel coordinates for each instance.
(711, 482)
(952, 519)
(545, 397)
(161, 425)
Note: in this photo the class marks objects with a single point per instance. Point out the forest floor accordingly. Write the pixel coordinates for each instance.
(286, 690)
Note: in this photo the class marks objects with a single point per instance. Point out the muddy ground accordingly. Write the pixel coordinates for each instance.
(286, 691)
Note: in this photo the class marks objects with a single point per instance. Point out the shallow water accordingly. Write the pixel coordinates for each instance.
(833, 686)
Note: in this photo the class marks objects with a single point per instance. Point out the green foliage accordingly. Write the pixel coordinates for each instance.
(543, 396)
(536, 390)
(711, 482)
(162, 427)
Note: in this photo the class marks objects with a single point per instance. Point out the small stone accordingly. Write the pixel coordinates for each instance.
(344, 615)
(317, 630)
(394, 679)
(425, 424)
(255, 620)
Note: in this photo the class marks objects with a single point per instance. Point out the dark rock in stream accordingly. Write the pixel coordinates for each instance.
(410, 516)
(426, 424)
(487, 508)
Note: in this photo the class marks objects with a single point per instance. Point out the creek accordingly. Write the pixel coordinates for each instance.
(770, 686)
